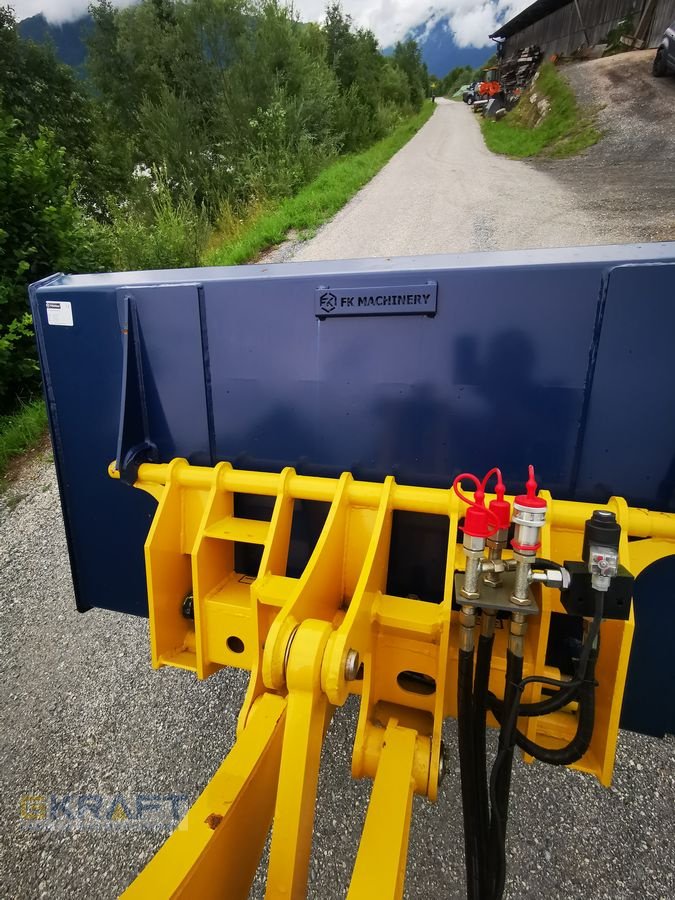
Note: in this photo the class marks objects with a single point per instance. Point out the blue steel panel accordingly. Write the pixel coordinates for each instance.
(418, 396)
(173, 361)
(235, 358)
(629, 441)
(106, 527)
(649, 699)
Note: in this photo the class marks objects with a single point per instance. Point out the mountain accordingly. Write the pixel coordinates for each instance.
(68, 39)
(439, 50)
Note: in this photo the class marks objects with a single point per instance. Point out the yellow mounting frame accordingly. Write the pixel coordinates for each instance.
(298, 638)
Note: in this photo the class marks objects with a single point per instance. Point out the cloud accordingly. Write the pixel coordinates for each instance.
(55, 11)
(471, 21)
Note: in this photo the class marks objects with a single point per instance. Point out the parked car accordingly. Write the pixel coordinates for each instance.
(664, 61)
(470, 94)
(461, 90)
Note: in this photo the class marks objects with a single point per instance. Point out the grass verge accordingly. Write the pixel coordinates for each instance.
(317, 202)
(21, 431)
(565, 130)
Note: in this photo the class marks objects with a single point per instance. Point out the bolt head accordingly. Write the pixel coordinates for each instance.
(352, 665)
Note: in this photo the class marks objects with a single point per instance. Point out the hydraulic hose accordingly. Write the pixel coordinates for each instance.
(577, 747)
(584, 683)
(500, 777)
(467, 770)
(567, 690)
(514, 673)
(551, 704)
(480, 708)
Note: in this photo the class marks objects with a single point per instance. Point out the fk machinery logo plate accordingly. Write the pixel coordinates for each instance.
(398, 300)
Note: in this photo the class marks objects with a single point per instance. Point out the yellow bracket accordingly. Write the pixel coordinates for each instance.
(311, 641)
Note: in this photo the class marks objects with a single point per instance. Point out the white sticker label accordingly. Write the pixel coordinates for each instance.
(59, 313)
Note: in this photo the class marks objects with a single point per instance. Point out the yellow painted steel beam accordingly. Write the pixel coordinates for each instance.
(433, 501)
(307, 719)
(383, 852)
(215, 852)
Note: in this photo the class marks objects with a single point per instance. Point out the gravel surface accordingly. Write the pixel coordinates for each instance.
(83, 713)
(627, 180)
(444, 192)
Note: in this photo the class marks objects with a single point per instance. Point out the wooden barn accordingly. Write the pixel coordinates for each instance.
(567, 26)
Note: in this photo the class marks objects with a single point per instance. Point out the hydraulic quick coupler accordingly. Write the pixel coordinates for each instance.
(529, 517)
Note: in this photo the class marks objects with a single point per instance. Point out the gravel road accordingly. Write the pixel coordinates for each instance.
(83, 714)
(446, 193)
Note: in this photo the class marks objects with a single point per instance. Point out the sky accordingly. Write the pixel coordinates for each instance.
(471, 21)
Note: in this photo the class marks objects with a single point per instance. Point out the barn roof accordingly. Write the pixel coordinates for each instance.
(538, 10)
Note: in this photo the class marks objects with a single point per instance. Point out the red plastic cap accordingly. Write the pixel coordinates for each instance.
(477, 519)
(477, 522)
(501, 510)
(530, 498)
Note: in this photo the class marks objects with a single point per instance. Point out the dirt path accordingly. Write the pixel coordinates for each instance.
(628, 179)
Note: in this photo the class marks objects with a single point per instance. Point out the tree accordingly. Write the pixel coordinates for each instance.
(408, 57)
(38, 91)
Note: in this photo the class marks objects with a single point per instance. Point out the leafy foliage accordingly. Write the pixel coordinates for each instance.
(197, 112)
(167, 234)
(21, 431)
(237, 99)
(455, 79)
(39, 92)
(41, 230)
(307, 210)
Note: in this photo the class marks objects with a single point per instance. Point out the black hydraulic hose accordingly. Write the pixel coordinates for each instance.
(514, 673)
(467, 770)
(577, 747)
(500, 777)
(566, 694)
(546, 565)
(480, 708)
(584, 681)
(568, 690)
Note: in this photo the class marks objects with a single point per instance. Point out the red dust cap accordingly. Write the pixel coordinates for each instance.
(500, 508)
(530, 499)
(477, 522)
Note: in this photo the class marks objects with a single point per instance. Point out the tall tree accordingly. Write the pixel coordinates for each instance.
(40, 92)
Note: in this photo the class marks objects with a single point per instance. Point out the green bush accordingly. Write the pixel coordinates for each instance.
(167, 234)
(20, 431)
(237, 101)
(41, 231)
(625, 28)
